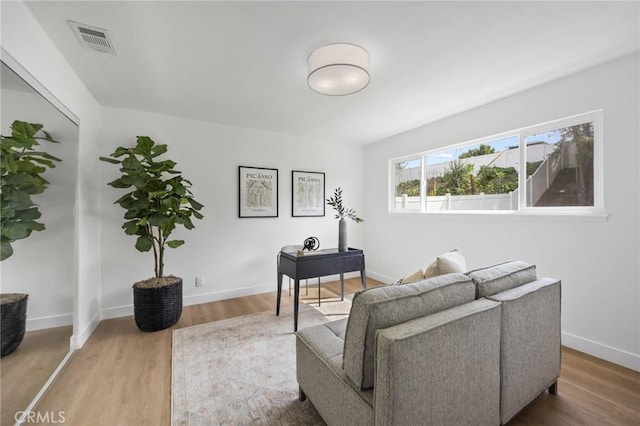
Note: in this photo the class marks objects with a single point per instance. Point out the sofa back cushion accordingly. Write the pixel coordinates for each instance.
(382, 307)
(504, 276)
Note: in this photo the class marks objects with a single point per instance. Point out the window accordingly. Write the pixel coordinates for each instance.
(545, 167)
(562, 175)
(407, 177)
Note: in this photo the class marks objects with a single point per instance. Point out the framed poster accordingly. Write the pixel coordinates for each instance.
(257, 192)
(307, 193)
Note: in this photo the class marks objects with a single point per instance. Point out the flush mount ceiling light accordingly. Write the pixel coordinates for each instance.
(338, 69)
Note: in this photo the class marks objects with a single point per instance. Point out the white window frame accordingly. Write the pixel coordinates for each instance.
(593, 212)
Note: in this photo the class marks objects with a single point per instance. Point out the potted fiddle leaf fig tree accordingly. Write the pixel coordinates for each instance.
(158, 199)
(22, 164)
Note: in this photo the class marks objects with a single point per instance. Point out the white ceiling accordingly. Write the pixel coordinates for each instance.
(244, 63)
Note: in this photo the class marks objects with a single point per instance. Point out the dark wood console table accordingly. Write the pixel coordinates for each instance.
(317, 264)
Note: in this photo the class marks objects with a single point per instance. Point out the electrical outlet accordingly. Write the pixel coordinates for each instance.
(199, 281)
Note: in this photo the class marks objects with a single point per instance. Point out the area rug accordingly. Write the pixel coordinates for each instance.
(241, 371)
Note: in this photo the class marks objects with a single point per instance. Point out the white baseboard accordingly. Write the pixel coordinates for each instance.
(599, 350)
(77, 341)
(51, 321)
(384, 279)
(196, 299)
(215, 296)
(117, 312)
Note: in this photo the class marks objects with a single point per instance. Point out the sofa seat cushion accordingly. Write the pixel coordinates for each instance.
(320, 375)
(504, 276)
(327, 340)
(382, 307)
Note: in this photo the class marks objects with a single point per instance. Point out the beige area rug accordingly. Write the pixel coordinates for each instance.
(241, 371)
(331, 307)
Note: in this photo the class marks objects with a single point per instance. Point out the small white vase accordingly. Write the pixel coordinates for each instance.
(342, 235)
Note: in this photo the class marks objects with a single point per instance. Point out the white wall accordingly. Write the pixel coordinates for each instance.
(25, 40)
(235, 256)
(597, 260)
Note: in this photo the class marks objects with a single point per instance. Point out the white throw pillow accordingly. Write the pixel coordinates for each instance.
(447, 263)
(416, 276)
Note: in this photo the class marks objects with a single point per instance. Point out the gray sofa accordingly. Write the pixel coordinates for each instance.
(457, 349)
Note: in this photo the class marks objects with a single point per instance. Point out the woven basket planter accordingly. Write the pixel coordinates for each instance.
(157, 308)
(13, 319)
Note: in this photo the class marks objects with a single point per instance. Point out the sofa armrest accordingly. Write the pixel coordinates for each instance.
(440, 369)
(530, 342)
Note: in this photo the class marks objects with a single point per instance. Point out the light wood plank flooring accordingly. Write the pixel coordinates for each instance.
(123, 376)
(25, 371)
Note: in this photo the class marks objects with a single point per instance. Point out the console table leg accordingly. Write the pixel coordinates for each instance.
(296, 296)
(341, 286)
(279, 294)
(363, 278)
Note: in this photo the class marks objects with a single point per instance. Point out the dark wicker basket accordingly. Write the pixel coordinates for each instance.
(157, 308)
(13, 317)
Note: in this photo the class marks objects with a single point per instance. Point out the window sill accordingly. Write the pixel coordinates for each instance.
(590, 215)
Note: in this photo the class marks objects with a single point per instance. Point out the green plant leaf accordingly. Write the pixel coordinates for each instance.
(35, 226)
(131, 227)
(6, 250)
(29, 214)
(140, 204)
(158, 150)
(16, 231)
(196, 205)
(131, 163)
(120, 151)
(119, 183)
(175, 243)
(144, 243)
(24, 130)
(144, 145)
(158, 219)
(42, 154)
(109, 160)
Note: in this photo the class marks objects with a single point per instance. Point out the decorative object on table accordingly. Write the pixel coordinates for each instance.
(257, 192)
(13, 318)
(159, 200)
(310, 244)
(22, 168)
(307, 194)
(342, 214)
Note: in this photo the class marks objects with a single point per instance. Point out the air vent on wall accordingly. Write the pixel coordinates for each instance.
(93, 38)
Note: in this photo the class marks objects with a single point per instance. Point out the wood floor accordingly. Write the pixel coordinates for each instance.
(25, 371)
(122, 376)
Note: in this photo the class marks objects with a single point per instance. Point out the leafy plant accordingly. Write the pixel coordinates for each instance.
(497, 180)
(342, 212)
(409, 187)
(159, 199)
(482, 149)
(22, 166)
(457, 179)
